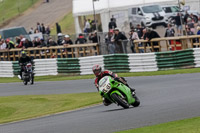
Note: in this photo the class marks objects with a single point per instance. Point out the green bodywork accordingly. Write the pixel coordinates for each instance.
(120, 89)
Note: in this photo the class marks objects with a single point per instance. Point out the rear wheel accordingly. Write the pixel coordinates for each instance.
(137, 101)
(120, 100)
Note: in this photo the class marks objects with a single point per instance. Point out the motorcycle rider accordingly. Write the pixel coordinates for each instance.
(97, 70)
(23, 60)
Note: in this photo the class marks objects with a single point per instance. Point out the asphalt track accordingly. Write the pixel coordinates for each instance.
(163, 99)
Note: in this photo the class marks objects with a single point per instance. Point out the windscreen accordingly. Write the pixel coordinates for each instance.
(14, 32)
(175, 9)
(151, 9)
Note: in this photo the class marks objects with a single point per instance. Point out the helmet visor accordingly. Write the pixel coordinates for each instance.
(97, 72)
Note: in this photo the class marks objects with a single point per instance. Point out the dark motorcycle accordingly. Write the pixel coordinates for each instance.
(27, 74)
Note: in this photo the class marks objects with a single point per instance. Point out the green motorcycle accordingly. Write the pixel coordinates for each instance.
(117, 92)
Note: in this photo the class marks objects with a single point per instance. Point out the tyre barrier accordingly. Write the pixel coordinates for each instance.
(175, 59)
(142, 62)
(45, 67)
(197, 56)
(86, 63)
(6, 69)
(68, 66)
(116, 63)
(139, 62)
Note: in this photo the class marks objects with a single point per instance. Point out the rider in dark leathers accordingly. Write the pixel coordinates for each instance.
(22, 61)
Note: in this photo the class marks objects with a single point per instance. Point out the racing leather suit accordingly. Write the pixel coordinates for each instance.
(115, 76)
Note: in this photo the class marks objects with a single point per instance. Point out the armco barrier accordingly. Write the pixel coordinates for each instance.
(116, 63)
(142, 62)
(197, 57)
(45, 67)
(86, 63)
(6, 69)
(68, 66)
(175, 59)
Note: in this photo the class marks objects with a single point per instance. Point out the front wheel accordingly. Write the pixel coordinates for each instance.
(120, 100)
(32, 79)
(25, 82)
(137, 101)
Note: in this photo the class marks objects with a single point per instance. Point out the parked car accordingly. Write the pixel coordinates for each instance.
(147, 15)
(13, 32)
(172, 10)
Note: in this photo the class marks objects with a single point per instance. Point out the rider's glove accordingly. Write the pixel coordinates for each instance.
(116, 78)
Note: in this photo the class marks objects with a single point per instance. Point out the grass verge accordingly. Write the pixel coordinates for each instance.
(67, 25)
(181, 126)
(133, 74)
(13, 8)
(14, 108)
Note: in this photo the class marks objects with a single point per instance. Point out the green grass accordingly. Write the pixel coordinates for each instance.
(133, 74)
(67, 25)
(14, 108)
(12, 8)
(181, 126)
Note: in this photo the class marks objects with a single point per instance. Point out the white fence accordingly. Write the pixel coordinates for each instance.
(142, 62)
(6, 69)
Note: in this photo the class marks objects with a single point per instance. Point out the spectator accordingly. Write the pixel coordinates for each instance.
(39, 29)
(2, 44)
(150, 35)
(10, 44)
(43, 44)
(93, 26)
(28, 43)
(66, 42)
(21, 44)
(190, 25)
(169, 31)
(178, 23)
(60, 39)
(190, 33)
(48, 31)
(136, 37)
(31, 31)
(198, 30)
(93, 37)
(58, 28)
(139, 31)
(118, 38)
(112, 25)
(17, 40)
(108, 40)
(186, 16)
(87, 26)
(36, 42)
(43, 29)
(81, 39)
(51, 42)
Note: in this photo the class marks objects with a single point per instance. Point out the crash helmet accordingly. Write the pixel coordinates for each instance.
(96, 70)
(23, 54)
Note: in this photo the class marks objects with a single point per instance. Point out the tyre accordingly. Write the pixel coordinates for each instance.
(25, 82)
(120, 100)
(137, 101)
(32, 79)
(196, 19)
(142, 24)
